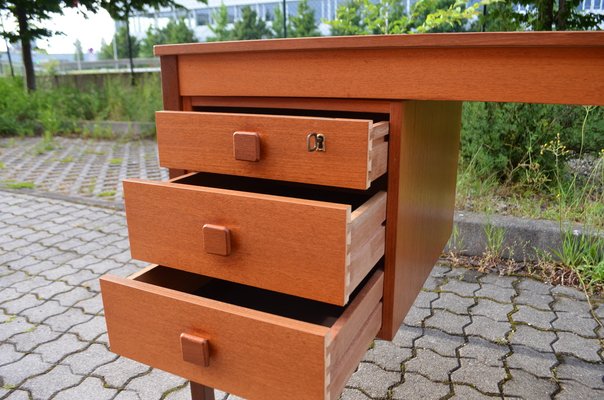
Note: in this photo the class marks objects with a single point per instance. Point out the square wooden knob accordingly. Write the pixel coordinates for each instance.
(246, 146)
(216, 239)
(195, 349)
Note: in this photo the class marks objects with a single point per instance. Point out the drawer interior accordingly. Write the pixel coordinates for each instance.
(281, 188)
(276, 303)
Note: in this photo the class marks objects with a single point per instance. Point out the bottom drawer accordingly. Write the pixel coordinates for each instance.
(247, 341)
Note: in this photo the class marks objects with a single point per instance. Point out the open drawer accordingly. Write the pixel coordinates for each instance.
(302, 240)
(275, 146)
(246, 341)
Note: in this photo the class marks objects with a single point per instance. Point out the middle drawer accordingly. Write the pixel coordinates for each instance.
(310, 242)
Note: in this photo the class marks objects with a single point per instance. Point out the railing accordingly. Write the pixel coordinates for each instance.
(74, 67)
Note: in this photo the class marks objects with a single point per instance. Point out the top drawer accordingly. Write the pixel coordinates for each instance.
(274, 147)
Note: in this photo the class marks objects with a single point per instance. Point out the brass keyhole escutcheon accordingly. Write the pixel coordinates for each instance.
(315, 142)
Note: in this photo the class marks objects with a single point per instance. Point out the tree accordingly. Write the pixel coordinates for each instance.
(363, 17)
(277, 25)
(29, 15)
(121, 42)
(121, 10)
(303, 24)
(174, 32)
(250, 26)
(78, 54)
(221, 26)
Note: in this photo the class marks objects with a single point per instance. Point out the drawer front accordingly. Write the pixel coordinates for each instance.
(312, 249)
(249, 353)
(274, 147)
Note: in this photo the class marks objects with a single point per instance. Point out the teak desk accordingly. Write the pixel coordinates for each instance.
(323, 195)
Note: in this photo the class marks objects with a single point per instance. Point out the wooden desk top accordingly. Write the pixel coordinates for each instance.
(536, 67)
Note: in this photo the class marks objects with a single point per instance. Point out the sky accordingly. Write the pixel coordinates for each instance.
(75, 26)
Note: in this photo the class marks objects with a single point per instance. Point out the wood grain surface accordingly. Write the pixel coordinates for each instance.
(550, 74)
(252, 354)
(424, 146)
(277, 243)
(451, 40)
(200, 141)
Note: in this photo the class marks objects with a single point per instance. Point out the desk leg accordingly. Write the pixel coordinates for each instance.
(201, 392)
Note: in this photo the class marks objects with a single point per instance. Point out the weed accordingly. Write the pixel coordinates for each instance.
(94, 152)
(8, 386)
(107, 193)
(2, 165)
(115, 161)
(20, 185)
(67, 159)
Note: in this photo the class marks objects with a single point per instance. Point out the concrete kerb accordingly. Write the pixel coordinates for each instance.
(119, 128)
(523, 239)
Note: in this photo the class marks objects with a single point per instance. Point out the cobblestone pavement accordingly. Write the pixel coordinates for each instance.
(468, 336)
(88, 169)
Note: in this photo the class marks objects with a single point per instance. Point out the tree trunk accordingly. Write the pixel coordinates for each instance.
(132, 81)
(562, 16)
(28, 64)
(546, 15)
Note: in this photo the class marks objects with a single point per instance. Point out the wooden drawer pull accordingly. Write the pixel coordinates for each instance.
(195, 349)
(217, 239)
(246, 146)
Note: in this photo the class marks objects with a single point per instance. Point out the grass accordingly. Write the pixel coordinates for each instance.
(20, 185)
(107, 193)
(2, 165)
(66, 160)
(115, 161)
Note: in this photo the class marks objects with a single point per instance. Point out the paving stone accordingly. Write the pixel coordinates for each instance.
(17, 372)
(52, 289)
(448, 322)
(373, 380)
(387, 355)
(502, 281)
(86, 361)
(30, 284)
(531, 337)
(154, 384)
(92, 305)
(575, 391)
(574, 323)
(564, 291)
(80, 277)
(353, 394)
(433, 283)
(104, 266)
(431, 365)
(453, 303)
(585, 349)
(440, 342)
(90, 388)
(492, 309)
(8, 354)
(460, 288)
(73, 296)
(406, 335)
(57, 272)
(91, 329)
(23, 262)
(118, 372)
(496, 293)
(483, 377)
(43, 386)
(32, 338)
(588, 374)
(463, 392)
(14, 279)
(42, 312)
(17, 395)
(65, 321)
(8, 294)
(13, 326)
(580, 308)
(424, 298)
(416, 316)
(528, 386)
(55, 350)
(494, 331)
(488, 353)
(533, 361)
(532, 317)
(21, 304)
(534, 299)
(417, 387)
(127, 395)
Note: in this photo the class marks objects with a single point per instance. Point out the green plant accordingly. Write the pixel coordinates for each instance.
(115, 161)
(20, 185)
(67, 159)
(107, 193)
(494, 236)
(2, 165)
